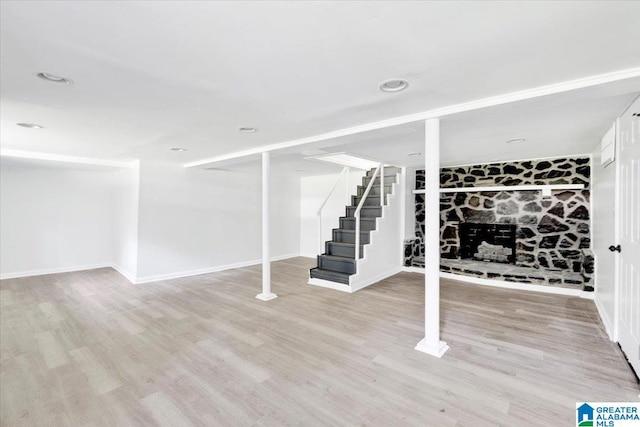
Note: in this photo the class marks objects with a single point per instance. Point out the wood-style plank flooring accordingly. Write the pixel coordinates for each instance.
(90, 349)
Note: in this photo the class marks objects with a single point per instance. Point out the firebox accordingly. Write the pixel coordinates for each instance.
(488, 242)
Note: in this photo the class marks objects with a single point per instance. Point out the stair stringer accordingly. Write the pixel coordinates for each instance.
(382, 257)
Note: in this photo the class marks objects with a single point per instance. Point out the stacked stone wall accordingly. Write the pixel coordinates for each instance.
(551, 232)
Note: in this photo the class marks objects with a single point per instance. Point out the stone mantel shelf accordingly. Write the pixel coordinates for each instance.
(546, 189)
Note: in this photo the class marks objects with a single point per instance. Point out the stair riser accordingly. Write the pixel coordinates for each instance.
(347, 265)
(330, 276)
(339, 236)
(350, 224)
(388, 171)
(375, 190)
(369, 201)
(338, 250)
(365, 212)
(387, 180)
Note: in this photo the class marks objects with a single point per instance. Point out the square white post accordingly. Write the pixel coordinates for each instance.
(266, 294)
(431, 343)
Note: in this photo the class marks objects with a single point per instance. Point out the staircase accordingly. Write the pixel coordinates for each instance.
(338, 264)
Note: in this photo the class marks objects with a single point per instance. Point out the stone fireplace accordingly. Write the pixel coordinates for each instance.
(488, 242)
(545, 233)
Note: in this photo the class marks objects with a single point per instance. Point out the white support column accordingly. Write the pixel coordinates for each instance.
(266, 294)
(431, 343)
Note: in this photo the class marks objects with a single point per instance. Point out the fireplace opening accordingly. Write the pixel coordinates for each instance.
(488, 242)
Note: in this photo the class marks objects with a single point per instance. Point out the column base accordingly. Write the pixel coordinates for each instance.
(437, 350)
(266, 297)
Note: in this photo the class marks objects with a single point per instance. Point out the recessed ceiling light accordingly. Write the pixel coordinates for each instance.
(30, 125)
(247, 129)
(53, 78)
(413, 154)
(516, 141)
(178, 149)
(394, 85)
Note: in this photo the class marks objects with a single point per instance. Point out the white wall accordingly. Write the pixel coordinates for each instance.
(313, 191)
(603, 185)
(151, 221)
(194, 221)
(54, 219)
(410, 204)
(125, 201)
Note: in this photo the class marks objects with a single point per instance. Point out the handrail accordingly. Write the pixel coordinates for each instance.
(356, 214)
(319, 213)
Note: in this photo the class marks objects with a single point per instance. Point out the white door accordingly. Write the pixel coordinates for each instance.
(603, 223)
(628, 294)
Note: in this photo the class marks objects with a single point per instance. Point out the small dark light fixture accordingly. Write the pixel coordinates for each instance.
(394, 85)
(179, 149)
(414, 154)
(516, 141)
(247, 129)
(53, 78)
(30, 125)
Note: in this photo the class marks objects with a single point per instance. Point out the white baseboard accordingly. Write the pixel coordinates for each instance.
(313, 256)
(125, 273)
(604, 317)
(208, 270)
(135, 280)
(514, 285)
(44, 271)
(356, 285)
(413, 269)
(330, 285)
(283, 257)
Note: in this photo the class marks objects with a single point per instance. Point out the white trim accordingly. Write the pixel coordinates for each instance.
(371, 280)
(605, 319)
(266, 297)
(283, 257)
(131, 277)
(198, 272)
(497, 162)
(505, 284)
(517, 285)
(19, 154)
(418, 270)
(330, 285)
(57, 270)
(312, 256)
(617, 232)
(508, 188)
(126, 274)
(435, 113)
(437, 351)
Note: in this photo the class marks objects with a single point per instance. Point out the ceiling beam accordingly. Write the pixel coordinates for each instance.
(29, 155)
(431, 114)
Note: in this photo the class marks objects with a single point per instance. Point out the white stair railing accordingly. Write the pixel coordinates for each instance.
(345, 172)
(356, 215)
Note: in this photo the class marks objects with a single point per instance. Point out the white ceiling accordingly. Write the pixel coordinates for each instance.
(149, 76)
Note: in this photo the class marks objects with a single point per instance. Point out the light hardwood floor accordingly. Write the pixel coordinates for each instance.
(89, 349)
